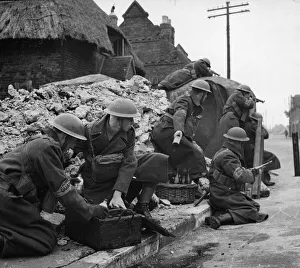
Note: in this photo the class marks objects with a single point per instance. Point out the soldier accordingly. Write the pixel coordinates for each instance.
(250, 128)
(227, 175)
(111, 170)
(180, 120)
(191, 71)
(235, 112)
(31, 179)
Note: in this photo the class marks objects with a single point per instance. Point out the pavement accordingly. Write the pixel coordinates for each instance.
(180, 220)
(272, 243)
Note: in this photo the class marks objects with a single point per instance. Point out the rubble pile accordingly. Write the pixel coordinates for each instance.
(24, 112)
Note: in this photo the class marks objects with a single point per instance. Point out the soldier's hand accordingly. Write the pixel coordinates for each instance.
(75, 180)
(255, 171)
(117, 201)
(100, 212)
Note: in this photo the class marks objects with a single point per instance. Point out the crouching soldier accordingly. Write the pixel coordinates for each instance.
(180, 120)
(227, 175)
(30, 176)
(111, 170)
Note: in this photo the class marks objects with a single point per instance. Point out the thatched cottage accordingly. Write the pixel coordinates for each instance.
(153, 44)
(50, 40)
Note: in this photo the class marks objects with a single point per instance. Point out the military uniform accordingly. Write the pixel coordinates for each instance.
(181, 115)
(182, 76)
(235, 111)
(226, 177)
(111, 164)
(250, 128)
(32, 179)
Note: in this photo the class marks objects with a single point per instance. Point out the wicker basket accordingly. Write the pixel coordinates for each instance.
(177, 193)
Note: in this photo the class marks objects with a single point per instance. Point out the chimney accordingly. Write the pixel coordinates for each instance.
(113, 16)
(166, 30)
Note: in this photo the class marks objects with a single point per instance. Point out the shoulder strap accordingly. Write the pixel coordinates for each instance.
(88, 129)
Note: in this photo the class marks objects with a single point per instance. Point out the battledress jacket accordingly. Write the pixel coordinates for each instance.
(100, 181)
(234, 108)
(29, 175)
(226, 177)
(182, 76)
(250, 128)
(180, 115)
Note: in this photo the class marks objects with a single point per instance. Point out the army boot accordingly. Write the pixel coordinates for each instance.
(143, 209)
(215, 222)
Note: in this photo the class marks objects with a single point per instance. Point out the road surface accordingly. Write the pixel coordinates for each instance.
(273, 243)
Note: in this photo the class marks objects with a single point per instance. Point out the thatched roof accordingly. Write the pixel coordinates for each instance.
(82, 20)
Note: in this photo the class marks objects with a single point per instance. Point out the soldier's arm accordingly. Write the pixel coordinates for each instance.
(128, 167)
(179, 117)
(48, 164)
(233, 168)
(244, 103)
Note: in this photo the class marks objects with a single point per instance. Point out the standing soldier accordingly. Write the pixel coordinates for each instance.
(31, 176)
(181, 120)
(227, 175)
(111, 170)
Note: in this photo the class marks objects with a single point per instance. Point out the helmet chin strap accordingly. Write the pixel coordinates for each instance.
(204, 95)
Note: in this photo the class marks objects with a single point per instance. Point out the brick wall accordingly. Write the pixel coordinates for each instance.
(44, 61)
(139, 27)
(154, 45)
(23, 60)
(79, 59)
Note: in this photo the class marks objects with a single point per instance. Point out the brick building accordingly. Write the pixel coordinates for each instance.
(153, 44)
(45, 41)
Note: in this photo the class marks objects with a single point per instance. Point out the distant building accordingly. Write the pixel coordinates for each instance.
(153, 44)
(46, 41)
(294, 114)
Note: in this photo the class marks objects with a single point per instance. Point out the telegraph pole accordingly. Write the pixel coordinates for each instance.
(227, 26)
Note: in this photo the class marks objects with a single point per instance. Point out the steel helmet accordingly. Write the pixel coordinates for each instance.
(237, 134)
(122, 108)
(207, 61)
(69, 124)
(202, 85)
(244, 88)
(256, 116)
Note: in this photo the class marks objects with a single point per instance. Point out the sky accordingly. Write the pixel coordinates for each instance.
(265, 43)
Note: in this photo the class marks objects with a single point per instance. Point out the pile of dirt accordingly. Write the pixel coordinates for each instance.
(24, 113)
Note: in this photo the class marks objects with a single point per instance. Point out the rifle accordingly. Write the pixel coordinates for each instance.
(261, 166)
(259, 100)
(205, 194)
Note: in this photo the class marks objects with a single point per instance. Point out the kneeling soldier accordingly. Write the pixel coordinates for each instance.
(227, 175)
